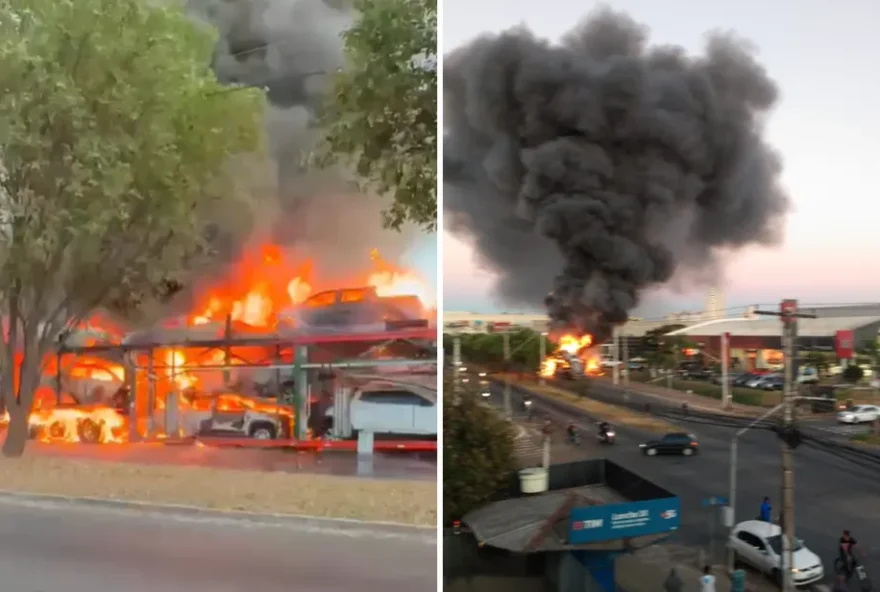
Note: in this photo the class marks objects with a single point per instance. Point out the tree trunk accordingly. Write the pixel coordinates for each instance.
(20, 412)
(16, 432)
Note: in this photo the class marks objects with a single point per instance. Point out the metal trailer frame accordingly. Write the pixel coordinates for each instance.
(297, 345)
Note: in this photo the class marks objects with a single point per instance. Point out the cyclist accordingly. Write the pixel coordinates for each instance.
(845, 547)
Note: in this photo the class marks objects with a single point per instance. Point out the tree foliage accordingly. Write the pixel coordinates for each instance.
(382, 115)
(478, 454)
(114, 144)
(853, 373)
(488, 348)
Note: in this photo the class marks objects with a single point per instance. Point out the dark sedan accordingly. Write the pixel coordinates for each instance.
(677, 443)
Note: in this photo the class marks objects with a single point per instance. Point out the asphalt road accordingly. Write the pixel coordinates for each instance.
(830, 493)
(45, 547)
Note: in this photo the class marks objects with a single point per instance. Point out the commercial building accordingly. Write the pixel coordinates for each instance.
(756, 341)
(473, 322)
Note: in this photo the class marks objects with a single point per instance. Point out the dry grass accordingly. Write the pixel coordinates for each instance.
(610, 413)
(408, 502)
(872, 440)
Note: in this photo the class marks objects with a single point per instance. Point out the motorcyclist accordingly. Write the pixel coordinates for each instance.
(604, 428)
(571, 430)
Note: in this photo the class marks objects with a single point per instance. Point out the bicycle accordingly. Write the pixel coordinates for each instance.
(840, 568)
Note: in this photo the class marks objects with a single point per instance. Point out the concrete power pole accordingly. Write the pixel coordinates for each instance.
(456, 364)
(725, 371)
(508, 409)
(616, 359)
(789, 333)
(542, 353)
(789, 316)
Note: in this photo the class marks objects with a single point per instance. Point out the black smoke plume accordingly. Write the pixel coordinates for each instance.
(290, 48)
(600, 166)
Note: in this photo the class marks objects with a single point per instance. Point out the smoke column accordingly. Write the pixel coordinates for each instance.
(600, 166)
(288, 47)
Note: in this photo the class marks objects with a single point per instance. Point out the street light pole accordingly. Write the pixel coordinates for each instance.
(625, 360)
(731, 496)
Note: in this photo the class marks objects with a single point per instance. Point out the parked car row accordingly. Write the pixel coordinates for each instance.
(766, 381)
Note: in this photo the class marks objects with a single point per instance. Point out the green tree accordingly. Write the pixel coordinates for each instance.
(382, 113)
(852, 374)
(817, 360)
(478, 454)
(115, 141)
(870, 349)
(488, 348)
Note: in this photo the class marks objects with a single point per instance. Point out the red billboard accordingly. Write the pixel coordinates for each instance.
(843, 343)
(787, 309)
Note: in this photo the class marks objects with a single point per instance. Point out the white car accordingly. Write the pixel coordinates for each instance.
(387, 408)
(859, 414)
(759, 544)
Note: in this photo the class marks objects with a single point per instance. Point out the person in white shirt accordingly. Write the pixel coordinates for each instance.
(707, 580)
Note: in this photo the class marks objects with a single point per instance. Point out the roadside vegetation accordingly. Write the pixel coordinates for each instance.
(478, 452)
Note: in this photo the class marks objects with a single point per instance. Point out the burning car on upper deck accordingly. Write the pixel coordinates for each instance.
(354, 310)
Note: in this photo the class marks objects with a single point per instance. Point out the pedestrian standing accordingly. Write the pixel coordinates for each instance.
(766, 510)
(707, 580)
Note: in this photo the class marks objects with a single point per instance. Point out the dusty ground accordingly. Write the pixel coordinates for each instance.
(612, 413)
(410, 502)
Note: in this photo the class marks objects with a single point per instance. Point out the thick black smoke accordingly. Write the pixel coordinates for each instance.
(599, 167)
(290, 48)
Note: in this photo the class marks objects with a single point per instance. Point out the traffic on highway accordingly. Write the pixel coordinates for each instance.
(833, 492)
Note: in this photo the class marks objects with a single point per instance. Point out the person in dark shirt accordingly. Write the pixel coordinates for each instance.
(766, 510)
(846, 546)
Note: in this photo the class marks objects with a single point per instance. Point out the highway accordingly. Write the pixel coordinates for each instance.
(830, 493)
(58, 546)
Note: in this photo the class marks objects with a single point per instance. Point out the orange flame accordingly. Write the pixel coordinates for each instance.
(573, 345)
(256, 290)
(392, 281)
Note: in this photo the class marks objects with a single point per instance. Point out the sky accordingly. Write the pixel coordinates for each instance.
(827, 128)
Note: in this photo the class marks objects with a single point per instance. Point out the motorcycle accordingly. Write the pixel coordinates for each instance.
(606, 437)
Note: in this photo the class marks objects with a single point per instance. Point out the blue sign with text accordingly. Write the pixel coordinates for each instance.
(593, 524)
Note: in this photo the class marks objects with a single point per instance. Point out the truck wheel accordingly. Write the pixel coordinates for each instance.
(57, 430)
(89, 431)
(262, 431)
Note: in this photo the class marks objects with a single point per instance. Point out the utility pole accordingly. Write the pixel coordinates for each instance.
(789, 315)
(725, 371)
(456, 363)
(508, 409)
(541, 355)
(616, 358)
(625, 360)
